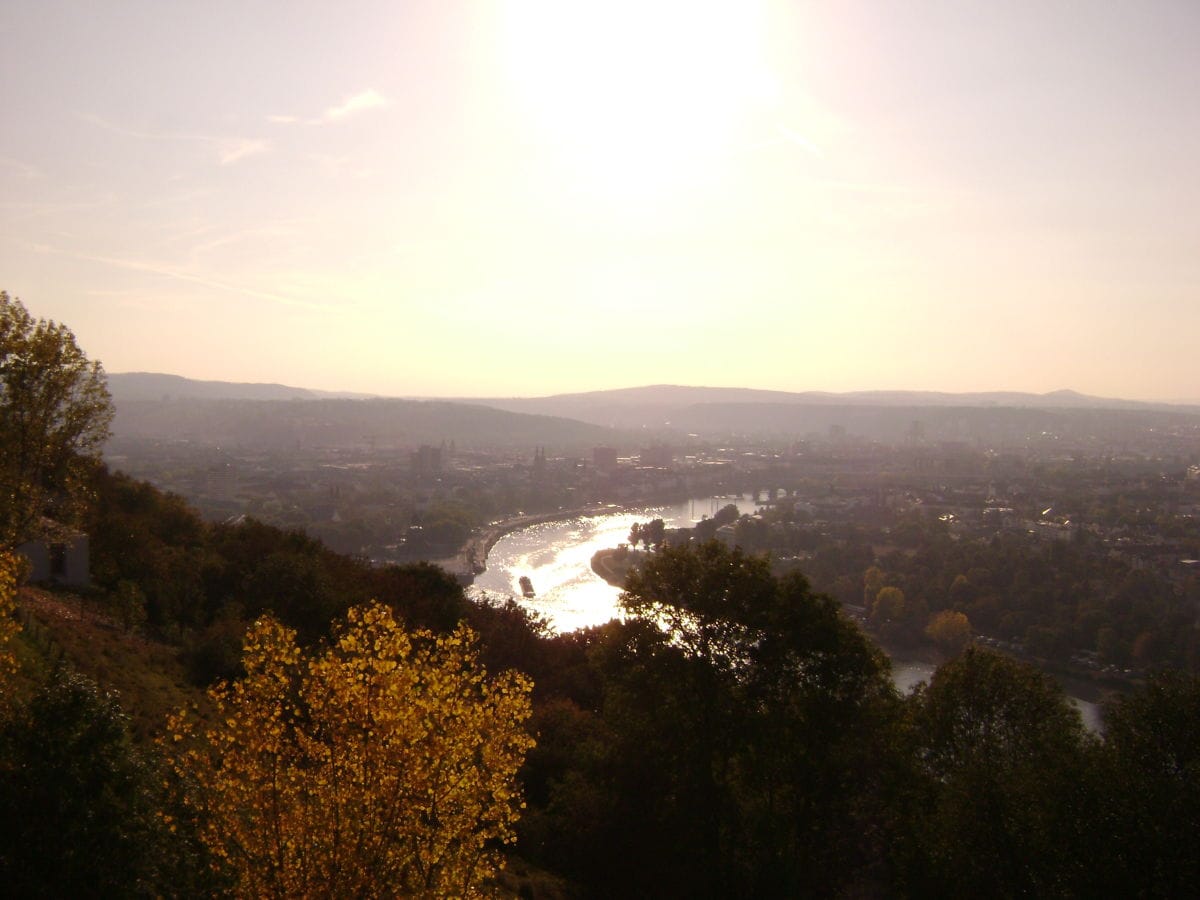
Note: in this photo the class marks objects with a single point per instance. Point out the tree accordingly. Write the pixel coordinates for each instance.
(726, 515)
(55, 412)
(888, 606)
(705, 529)
(384, 765)
(962, 592)
(772, 709)
(129, 603)
(295, 586)
(81, 805)
(872, 585)
(702, 597)
(950, 630)
(1152, 776)
(635, 534)
(654, 533)
(1004, 757)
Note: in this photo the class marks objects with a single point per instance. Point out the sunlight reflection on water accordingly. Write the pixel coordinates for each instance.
(557, 557)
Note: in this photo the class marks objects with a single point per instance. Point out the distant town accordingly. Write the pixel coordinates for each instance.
(1078, 546)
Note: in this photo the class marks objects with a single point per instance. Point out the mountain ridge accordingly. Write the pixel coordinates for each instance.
(160, 385)
(153, 406)
(682, 407)
(154, 385)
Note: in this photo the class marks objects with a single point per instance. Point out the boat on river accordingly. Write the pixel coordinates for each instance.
(526, 586)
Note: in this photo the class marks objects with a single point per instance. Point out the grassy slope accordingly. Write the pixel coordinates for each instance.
(147, 675)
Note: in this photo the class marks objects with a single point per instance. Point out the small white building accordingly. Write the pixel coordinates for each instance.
(60, 555)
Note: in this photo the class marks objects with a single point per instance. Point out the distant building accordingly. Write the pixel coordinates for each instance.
(659, 457)
(604, 458)
(60, 555)
(427, 460)
(221, 482)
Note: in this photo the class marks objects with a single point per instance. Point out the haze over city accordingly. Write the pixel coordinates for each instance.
(434, 199)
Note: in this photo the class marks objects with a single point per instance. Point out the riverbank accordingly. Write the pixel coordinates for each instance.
(471, 560)
(614, 564)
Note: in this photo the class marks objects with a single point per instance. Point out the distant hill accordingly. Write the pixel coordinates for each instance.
(126, 386)
(158, 407)
(688, 408)
(168, 407)
(321, 422)
(992, 425)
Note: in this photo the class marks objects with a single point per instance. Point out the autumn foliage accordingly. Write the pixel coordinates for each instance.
(950, 630)
(384, 765)
(8, 626)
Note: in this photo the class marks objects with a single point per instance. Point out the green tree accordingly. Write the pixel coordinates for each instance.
(700, 600)
(703, 598)
(639, 809)
(820, 771)
(726, 515)
(774, 710)
(888, 607)
(129, 603)
(1152, 777)
(654, 533)
(81, 805)
(635, 534)
(295, 586)
(55, 413)
(1005, 760)
(426, 595)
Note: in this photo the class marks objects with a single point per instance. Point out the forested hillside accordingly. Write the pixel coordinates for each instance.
(736, 736)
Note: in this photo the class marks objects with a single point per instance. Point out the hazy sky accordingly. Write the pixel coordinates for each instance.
(518, 198)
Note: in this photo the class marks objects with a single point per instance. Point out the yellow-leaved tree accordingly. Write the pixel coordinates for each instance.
(384, 765)
(9, 566)
(950, 630)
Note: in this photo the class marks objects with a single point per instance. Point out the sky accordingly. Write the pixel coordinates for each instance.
(527, 197)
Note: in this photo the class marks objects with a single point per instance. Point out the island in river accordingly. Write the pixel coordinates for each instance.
(615, 563)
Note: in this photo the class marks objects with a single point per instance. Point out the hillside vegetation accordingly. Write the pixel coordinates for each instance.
(305, 724)
(736, 736)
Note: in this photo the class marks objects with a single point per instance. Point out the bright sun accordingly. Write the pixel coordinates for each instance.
(639, 96)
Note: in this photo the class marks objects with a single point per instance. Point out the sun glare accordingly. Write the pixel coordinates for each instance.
(636, 97)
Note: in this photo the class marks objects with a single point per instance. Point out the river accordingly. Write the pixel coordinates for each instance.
(556, 556)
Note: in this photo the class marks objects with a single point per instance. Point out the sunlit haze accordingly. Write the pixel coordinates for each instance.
(524, 198)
